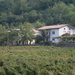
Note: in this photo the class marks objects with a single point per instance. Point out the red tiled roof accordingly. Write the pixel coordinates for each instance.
(54, 26)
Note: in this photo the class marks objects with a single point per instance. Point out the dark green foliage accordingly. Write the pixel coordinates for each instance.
(49, 12)
(39, 39)
(26, 32)
(47, 43)
(66, 38)
(66, 34)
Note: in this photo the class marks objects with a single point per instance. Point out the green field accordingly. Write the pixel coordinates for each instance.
(37, 60)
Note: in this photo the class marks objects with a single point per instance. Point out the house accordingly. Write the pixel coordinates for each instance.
(36, 32)
(56, 30)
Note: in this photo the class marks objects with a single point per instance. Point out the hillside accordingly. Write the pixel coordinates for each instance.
(47, 12)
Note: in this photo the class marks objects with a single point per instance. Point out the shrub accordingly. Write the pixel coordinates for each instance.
(47, 43)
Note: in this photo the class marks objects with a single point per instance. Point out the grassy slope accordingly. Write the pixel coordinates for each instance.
(38, 60)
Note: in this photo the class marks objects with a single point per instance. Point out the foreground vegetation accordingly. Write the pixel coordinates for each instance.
(38, 60)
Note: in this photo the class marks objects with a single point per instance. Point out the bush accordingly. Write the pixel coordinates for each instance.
(38, 38)
(47, 43)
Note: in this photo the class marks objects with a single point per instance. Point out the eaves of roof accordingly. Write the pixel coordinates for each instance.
(55, 27)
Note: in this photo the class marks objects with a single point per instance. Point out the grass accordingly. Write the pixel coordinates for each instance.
(37, 60)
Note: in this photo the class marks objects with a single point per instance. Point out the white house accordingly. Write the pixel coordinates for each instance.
(56, 30)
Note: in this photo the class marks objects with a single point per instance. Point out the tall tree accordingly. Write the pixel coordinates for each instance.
(26, 32)
(72, 20)
(38, 24)
(3, 34)
(59, 11)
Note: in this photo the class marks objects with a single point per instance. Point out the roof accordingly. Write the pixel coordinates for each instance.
(55, 27)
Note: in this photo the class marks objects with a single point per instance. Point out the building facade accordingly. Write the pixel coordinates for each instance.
(56, 30)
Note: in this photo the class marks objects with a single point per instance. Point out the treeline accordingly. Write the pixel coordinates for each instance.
(47, 12)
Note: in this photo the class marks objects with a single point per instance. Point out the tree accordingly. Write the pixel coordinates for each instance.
(3, 34)
(70, 15)
(2, 30)
(12, 35)
(72, 20)
(38, 24)
(26, 31)
(7, 5)
(3, 18)
(8, 35)
(59, 12)
(38, 38)
(33, 16)
(47, 17)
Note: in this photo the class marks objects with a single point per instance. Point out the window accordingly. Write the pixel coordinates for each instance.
(53, 38)
(64, 28)
(53, 32)
(69, 29)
